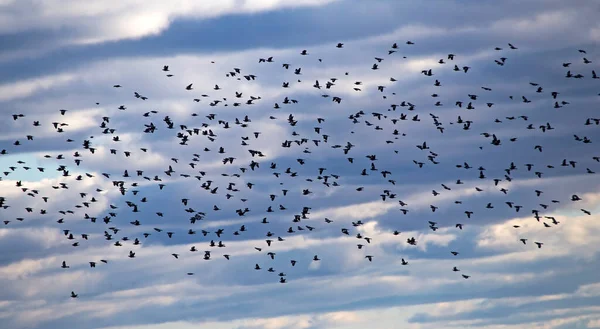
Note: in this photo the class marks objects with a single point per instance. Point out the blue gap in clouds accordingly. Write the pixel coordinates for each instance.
(32, 174)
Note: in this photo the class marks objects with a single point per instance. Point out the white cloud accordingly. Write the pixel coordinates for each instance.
(572, 236)
(129, 19)
(343, 274)
(26, 88)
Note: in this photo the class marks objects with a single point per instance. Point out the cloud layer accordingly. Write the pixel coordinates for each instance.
(490, 203)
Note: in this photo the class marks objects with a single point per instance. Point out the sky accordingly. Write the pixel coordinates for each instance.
(66, 54)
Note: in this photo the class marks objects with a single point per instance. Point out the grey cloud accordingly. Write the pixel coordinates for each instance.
(546, 33)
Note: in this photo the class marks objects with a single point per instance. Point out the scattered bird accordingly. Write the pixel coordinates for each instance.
(205, 158)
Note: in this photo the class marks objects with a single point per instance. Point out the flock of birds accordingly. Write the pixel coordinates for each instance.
(111, 224)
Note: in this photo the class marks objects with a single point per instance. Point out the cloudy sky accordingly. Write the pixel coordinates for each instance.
(66, 54)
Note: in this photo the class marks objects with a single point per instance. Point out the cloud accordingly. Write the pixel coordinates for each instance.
(27, 88)
(82, 51)
(129, 19)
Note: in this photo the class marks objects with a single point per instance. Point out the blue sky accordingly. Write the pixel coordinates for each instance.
(65, 54)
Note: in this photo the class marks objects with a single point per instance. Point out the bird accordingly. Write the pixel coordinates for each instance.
(219, 148)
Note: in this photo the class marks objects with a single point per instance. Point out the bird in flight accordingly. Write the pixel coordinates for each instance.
(244, 199)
